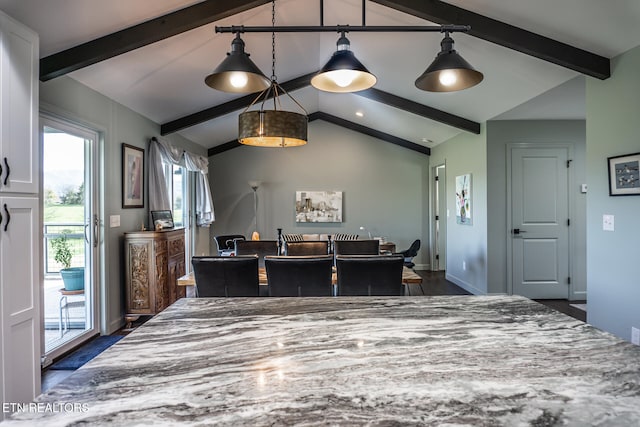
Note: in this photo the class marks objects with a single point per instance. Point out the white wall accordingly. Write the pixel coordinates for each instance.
(499, 135)
(385, 187)
(613, 264)
(466, 153)
(66, 98)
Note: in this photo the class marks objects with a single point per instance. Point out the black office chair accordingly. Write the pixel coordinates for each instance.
(299, 276)
(226, 243)
(356, 247)
(408, 254)
(369, 275)
(224, 276)
(320, 247)
(257, 247)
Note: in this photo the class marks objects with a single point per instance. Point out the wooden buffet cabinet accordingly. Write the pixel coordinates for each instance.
(154, 260)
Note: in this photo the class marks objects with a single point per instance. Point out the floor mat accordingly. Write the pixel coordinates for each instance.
(87, 352)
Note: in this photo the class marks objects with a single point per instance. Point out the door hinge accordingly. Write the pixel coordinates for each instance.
(569, 280)
(568, 222)
(569, 162)
(437, 178)
(437, 217)
(437, 256)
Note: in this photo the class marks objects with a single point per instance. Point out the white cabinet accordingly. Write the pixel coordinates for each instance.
(20, 303)
(19, 154)
(20, 320)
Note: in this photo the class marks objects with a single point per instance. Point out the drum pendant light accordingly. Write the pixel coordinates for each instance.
(237, 73)
(343, 72)
(449, 72)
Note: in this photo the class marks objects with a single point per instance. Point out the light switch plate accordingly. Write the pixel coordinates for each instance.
(114, 221)
(583, 188)
(608, 222)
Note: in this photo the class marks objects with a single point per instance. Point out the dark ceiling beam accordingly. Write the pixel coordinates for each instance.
(371, 132)
(140, 35)
(420, 110)
(506, 35)
(319, 115)
(228, 107)
(304, 81)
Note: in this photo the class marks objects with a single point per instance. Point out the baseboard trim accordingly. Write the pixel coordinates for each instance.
(422, 267)
(464, 285)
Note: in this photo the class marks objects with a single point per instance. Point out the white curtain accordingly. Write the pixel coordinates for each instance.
(160, 151)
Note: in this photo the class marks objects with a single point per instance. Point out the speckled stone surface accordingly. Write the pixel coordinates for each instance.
(450, 360)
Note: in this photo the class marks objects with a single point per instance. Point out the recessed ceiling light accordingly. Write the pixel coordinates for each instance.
(359, 114)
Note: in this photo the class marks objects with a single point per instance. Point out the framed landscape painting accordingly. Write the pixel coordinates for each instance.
(623, 175)
(318, 206)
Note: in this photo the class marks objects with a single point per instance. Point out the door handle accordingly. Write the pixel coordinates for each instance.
(518, 231)
(6, 211)
(6, 164)
(96, 223)
(86, 238)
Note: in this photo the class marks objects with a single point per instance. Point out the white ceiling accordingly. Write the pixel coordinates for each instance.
(165, 81)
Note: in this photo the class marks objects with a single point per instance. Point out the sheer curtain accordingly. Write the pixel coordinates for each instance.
(160, 151)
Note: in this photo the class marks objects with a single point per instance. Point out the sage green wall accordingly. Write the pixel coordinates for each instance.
(466, 153)
(68, 99)
(385, 187)
(613, 264)
(499, 135)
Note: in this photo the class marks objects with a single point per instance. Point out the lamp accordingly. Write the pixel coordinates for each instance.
(237, 73)
(362, 228)
(343, 72)
(272, 128)
(254, 186)
(449, 72)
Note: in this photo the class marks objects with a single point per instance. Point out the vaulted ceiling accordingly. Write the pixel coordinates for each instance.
(152, 56)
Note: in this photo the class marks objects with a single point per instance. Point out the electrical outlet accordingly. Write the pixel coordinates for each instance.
(464, 265)
(635, 336)
(608, 222)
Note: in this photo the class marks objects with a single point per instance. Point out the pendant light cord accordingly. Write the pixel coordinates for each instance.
(273, 88)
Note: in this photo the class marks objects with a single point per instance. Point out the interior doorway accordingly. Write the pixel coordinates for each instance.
(439, 261)
(538, 192)
(70, 235)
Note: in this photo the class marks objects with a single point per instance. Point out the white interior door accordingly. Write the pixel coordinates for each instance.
(539, 222)
(440, 223)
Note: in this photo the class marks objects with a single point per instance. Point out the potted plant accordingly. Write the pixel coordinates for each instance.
(72, 277)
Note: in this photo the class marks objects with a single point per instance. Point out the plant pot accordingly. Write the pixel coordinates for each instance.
(73, 278)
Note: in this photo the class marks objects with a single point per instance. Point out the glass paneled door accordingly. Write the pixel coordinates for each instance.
(71, 234)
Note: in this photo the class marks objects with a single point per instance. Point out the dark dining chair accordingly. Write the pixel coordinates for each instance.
(356, 247)
(320, 247)
(369, 275)
(224, 276)
(226, 243)
(261, 248)
(299, 276)
(409, 253)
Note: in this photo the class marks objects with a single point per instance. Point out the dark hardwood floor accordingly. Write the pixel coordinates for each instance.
(435, 283)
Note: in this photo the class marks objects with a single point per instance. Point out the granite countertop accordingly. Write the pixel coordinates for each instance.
(453, 360)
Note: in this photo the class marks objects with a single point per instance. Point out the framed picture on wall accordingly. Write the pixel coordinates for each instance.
(318, 206)
(463, 199)
(623, 175)
(132, 176)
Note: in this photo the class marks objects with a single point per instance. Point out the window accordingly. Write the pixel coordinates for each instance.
(177, 186)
